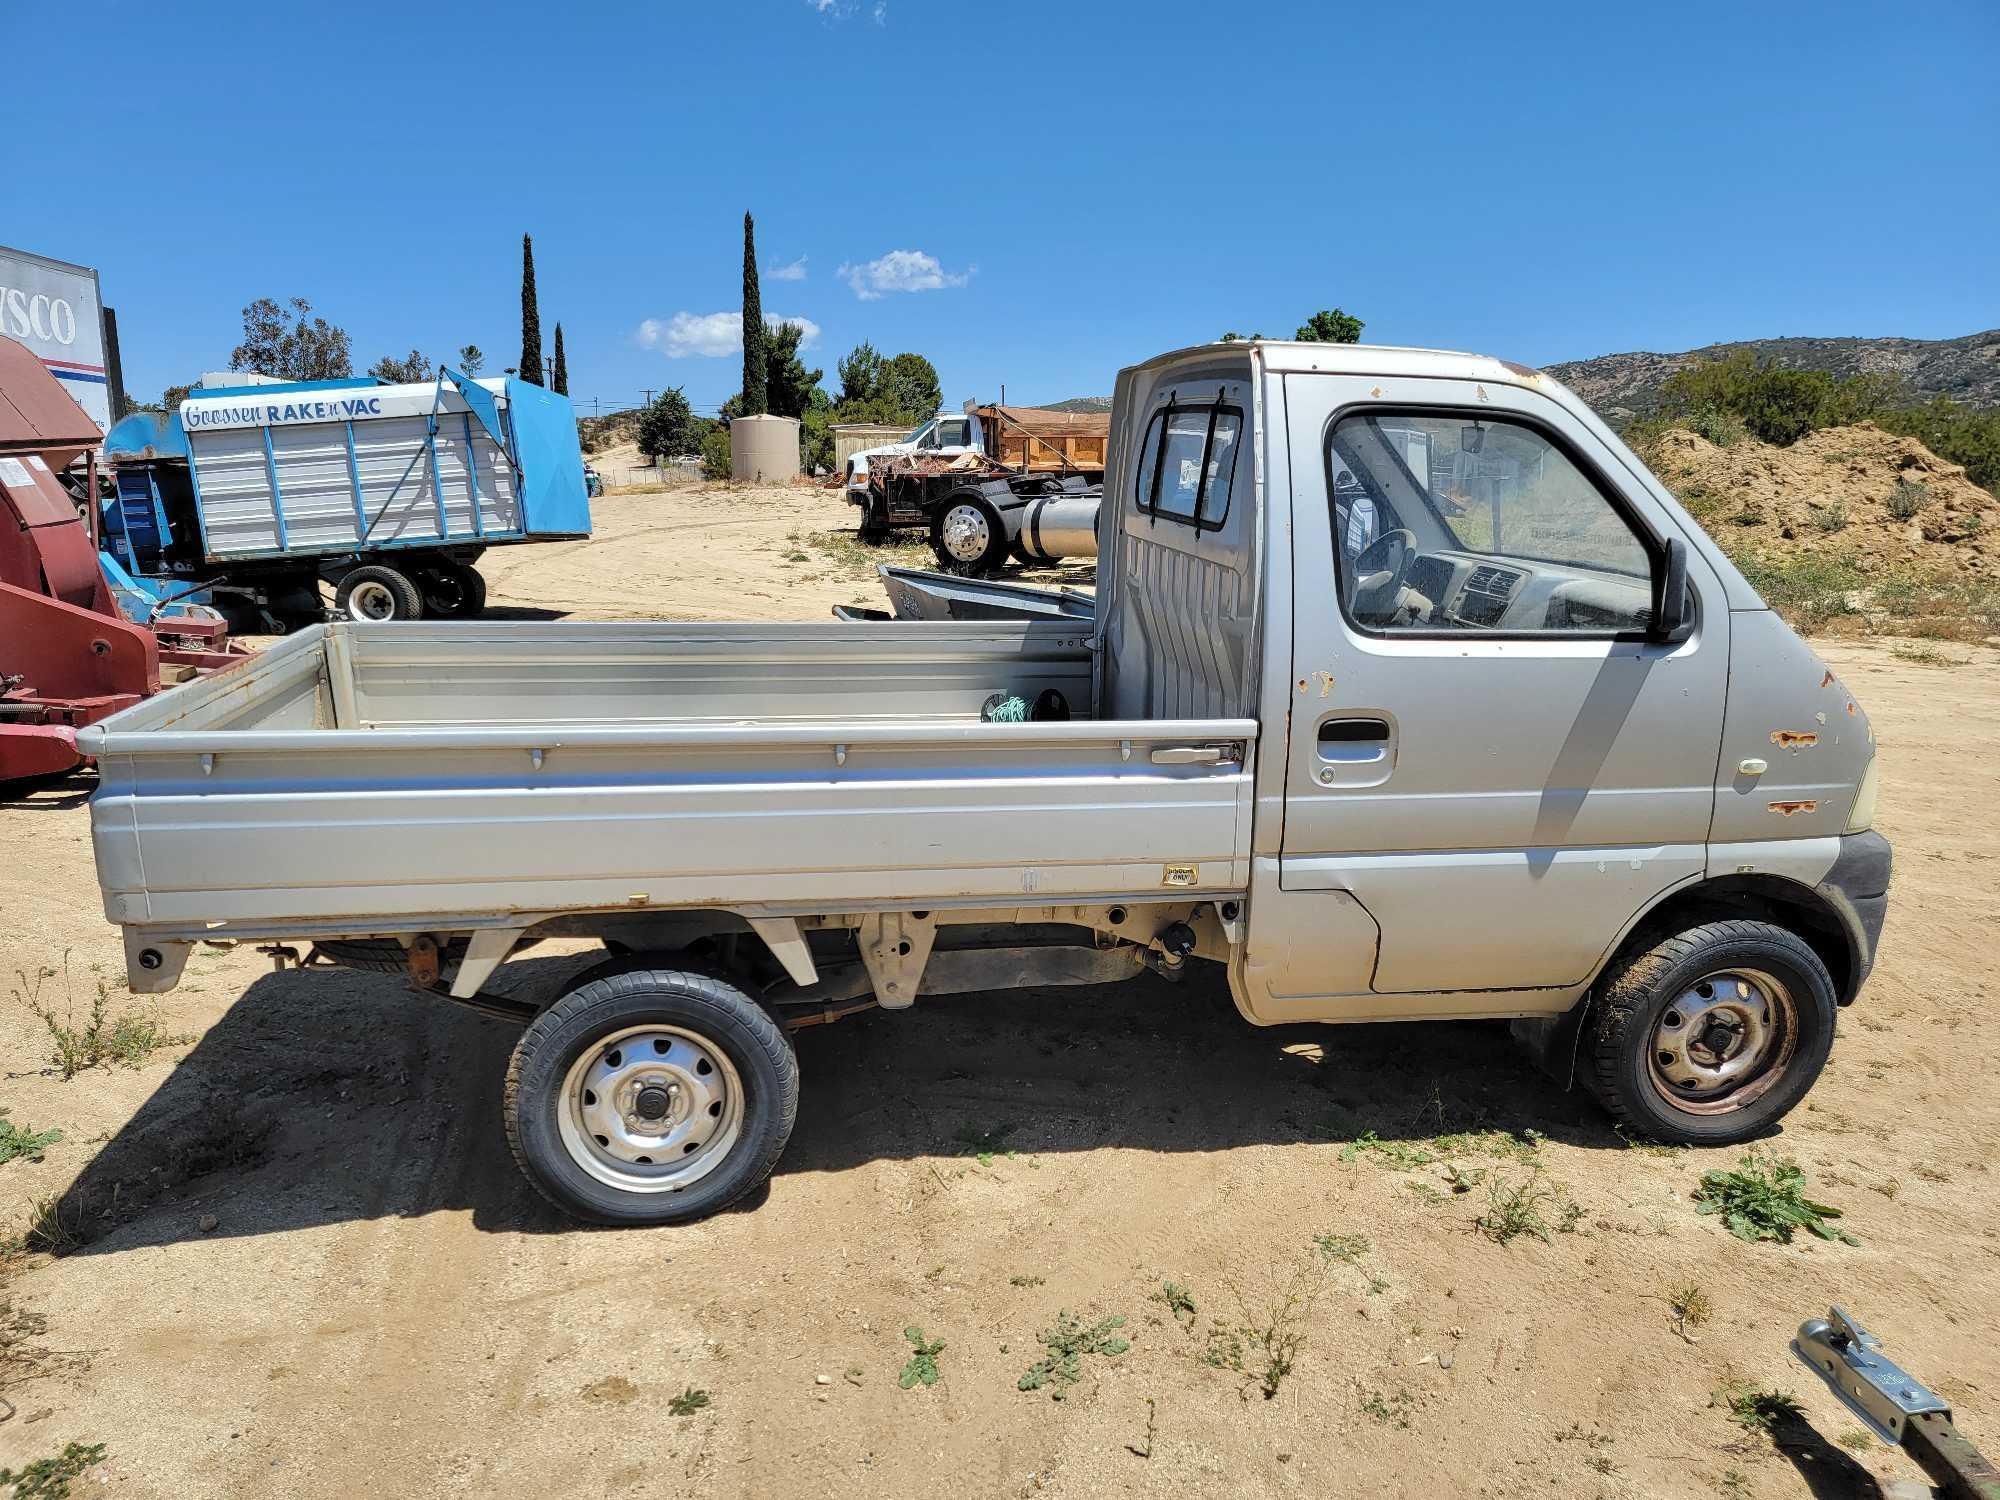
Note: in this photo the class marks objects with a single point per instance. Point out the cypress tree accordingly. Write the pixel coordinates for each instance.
(531, 317)
(756, 396)
(562, 366)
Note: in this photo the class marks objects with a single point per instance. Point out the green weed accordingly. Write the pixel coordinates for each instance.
(1397, 1154)
(1764, 1199)
(1026, 1280)
(1758, 1411)
(1690, 1306)
(1178, 1301)
(922, 1366)
(18, 1140)
(1344, 1248)
(1536, 1205)
(1067, 1343)
(1831, 517)
(50, 1478)
(128, 1039)
(1907, 498)
(688, 1402)
(984, 1144)
(1391, 1411)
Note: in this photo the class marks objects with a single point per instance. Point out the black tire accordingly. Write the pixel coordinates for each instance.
(992, 552)
(720, 1022)
(1645, 1061)
(385, 594)
(453, 591)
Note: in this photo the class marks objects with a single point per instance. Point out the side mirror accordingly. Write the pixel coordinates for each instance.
(1673, 622)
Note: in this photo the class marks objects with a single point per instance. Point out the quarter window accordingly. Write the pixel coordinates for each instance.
(1188, 466)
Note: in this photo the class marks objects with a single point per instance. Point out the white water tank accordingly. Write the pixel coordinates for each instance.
(764, 449)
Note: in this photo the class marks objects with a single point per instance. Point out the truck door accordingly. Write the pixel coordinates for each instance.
(1486, 752)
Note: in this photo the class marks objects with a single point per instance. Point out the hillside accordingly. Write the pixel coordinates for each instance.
(1625, 387)
(1850, 528)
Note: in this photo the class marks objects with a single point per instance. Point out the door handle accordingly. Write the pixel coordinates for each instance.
(1354, 741)
(1195, 755)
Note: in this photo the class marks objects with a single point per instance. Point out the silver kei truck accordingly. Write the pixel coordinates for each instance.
(1409, 693)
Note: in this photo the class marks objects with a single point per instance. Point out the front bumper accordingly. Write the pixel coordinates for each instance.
(1857, 888)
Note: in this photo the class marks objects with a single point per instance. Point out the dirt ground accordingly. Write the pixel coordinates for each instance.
(305, 1264)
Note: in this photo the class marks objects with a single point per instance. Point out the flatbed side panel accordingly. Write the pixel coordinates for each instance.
(471, 675)
(1061, 812)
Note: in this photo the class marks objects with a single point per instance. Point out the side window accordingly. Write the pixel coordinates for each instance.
(1468, 521)
(951, 434)
(1188, 467)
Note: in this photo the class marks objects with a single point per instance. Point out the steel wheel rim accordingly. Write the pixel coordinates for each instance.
(966, 533)
(616, 1127)
(370, 600)
(1724, 1041)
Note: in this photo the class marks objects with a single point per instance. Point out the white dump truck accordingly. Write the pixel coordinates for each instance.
(1522, 745)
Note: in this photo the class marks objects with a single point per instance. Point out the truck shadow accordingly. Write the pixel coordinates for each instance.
(325, 1096)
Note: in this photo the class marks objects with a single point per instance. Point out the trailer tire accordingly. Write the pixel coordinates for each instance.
(679, 1131)
(375, 592)
(1710, 1036)
(453, 591)
(968, 537)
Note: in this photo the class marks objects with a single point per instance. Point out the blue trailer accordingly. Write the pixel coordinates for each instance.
(252, 496)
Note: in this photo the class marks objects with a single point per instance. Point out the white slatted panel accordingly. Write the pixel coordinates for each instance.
(235, 491)
(499, 505)
(395, 464)
(313, 485)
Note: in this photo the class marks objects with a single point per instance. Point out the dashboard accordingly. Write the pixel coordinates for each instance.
(1470, 591)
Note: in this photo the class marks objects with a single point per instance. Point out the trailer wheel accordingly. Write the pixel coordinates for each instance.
(968, 537)
(453, 591)
(656, 1096)
(1709, 1037)
(373, 592)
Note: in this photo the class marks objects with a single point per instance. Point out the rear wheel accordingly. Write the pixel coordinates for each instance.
(453, 591)
(1711, 1036)
(655, 1096)
(968, 537)
(375, 592)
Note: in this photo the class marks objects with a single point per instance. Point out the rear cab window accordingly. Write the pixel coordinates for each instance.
(1187, 467)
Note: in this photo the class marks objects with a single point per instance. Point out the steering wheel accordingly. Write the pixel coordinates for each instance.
(1380, 570)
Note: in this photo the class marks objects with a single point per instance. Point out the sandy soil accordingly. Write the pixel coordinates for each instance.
(380, 1306)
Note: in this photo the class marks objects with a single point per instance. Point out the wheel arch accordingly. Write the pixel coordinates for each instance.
(1776, 899)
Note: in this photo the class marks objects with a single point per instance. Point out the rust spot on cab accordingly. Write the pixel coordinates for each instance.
(1827, 681)
(1527, 372)
(1786, 809)
(1794, 740)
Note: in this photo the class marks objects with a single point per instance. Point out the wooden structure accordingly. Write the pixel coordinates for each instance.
(1038, 441)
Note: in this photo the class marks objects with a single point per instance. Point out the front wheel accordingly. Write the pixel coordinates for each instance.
(1711, 1036)
(655, 1096)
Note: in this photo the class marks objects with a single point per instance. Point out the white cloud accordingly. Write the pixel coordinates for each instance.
(711, 335)
(791, 271)
(901, 271)
(881, 12)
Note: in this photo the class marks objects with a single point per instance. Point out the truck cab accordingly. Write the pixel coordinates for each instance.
(947, 434)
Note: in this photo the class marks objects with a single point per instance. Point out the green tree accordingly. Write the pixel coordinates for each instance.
(561, 377)
(667, 427)
(289, 344)
(816, 433)
(531, 317)
(860, 373)
(910, 388)
(172, 397)
(471, 360)
(715, 453)
(756, 397)
(402, 371)
(1330, 326)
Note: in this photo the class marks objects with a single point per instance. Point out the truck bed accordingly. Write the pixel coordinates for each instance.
(392, 778)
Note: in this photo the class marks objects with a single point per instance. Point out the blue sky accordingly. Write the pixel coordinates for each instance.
(1029, 193)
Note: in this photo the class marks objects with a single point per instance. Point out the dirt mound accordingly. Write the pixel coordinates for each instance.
(1859, 493)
